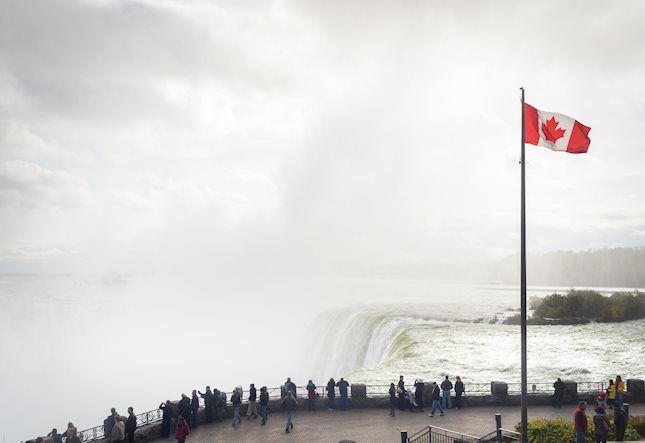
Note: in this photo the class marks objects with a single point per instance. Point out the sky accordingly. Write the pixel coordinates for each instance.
(154, 136)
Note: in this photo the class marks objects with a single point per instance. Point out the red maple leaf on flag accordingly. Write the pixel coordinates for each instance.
(551, 130)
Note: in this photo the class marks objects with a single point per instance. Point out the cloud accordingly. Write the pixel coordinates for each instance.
(28, 184)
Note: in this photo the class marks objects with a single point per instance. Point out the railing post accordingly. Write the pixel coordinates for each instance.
(429, 434)
(498, 427)
(404, 436)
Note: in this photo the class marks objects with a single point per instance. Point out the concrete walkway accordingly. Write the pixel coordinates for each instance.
(371, 425)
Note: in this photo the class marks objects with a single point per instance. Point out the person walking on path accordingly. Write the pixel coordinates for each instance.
(446, 387)
(611, 394)
(252, 410)
(289, 403)
(194, 410)
(459, 391)
(436, 400)
(342, 389)
(311, 396)
(166, 418)
(208, 403)
(418, 394)
(620, 388)
(558, 393)
(264, 404)
(620, 421)
(236, 400)
(182, 431)
(130, 425)
(331, 393)
(601, 425)
(580, 422)
(401, 393)
(392, 393)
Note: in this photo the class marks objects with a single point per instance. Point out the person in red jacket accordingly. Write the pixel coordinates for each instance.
(580, 422)
(182, 431)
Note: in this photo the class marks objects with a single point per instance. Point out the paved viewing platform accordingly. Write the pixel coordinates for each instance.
(371, 425)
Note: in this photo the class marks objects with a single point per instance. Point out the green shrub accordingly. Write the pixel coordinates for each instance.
(638, 423)
(560, 430)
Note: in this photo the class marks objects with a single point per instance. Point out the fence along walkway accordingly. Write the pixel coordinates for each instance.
(435, 434)
(476, 389)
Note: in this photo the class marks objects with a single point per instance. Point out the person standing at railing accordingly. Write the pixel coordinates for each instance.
(219, 405)
(108, 423)
(331, 393)
(71, 434)
(166, 418)
(194, 410)
(290, 386)
(436, 400)
(558, 393)
(311, 396)
(620, 388)
(236, 400)
(56, 437)
(208, 403)
(290, 404)
(459, 391)
(130, 425)
(401, 393)
(342, 389)
(264, 405)
(611, 394)
(184, 407)
(446, 387)
(392, 393)
(118, 430)
(252, 410)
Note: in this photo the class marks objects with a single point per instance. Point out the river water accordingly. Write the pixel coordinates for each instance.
(73, 346)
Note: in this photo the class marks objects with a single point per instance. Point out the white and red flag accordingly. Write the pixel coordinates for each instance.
(555, 131)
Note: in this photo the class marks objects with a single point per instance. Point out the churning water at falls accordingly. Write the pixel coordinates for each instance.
(459, 335)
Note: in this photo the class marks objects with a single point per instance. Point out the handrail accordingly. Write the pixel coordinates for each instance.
(374, 391)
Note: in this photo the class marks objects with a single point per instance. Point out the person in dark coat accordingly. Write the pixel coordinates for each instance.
(264, 404)
(184, 407)
(218, 405)
(392, 393)
(130, 425)
(108, 423)
(208, 403)
(558, 393)
(236, 400)
(290, 404)
(166, 418)
(342, 389)
(436, 400)
(418, 394)
(252, 410)
(311, 396)
(459, 391)
(56, 437)
(194, 410)
(401, 393)
(620, 421)
(331, 393)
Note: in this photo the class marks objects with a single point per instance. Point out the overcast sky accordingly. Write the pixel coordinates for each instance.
(144, 135)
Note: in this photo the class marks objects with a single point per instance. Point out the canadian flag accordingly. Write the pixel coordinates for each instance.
(555, 131)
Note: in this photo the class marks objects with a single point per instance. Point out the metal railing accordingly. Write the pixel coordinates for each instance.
(373, 391)
(504, 435)
(435, 434)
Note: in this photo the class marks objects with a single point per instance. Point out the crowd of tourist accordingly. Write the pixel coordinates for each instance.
(612, 399)
(178, 418)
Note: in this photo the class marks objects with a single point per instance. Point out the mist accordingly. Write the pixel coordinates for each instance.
(226, 160)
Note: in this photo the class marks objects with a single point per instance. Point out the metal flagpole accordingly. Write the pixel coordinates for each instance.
(524, 401)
